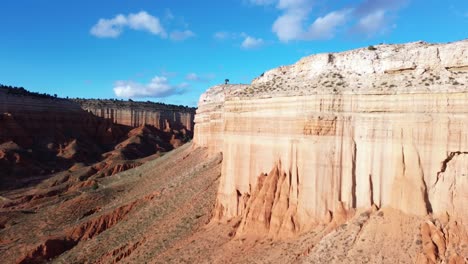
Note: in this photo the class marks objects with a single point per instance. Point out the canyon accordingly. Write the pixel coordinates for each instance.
(352, 157)
(159, 115)
(337, 133)
(41, 135)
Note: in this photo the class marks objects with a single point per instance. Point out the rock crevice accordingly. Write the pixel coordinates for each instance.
(341, 132)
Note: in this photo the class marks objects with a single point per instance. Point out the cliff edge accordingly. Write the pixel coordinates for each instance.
(335, 133)
(134, 114)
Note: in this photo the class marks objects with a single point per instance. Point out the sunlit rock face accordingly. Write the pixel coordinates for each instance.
(210, 116)
(134, 114)
(335, 132)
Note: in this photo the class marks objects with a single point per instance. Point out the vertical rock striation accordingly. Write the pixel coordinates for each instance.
(41, 135)
(335, 132)
(134, 114)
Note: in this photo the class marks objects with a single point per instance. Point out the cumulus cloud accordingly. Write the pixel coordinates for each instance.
(146, 22)
(294, 23)
(109, 28)
(370, 6)
(252, 43)
(112, 28)
(248, 42)
(325, 27)
(289, 26)
(374, 16)
(158, 87)
(372, 22)
(181, 35)
(193, 77)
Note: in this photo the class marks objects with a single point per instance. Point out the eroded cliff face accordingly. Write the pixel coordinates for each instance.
(337, 132)
(41, 136)
(162, 116)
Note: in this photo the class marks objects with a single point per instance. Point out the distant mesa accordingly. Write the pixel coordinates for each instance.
(352, 157)
(134, 114)
(42, 134)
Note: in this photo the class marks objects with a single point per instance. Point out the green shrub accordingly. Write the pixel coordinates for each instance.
(371, 48)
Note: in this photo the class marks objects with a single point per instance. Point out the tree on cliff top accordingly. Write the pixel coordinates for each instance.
(226, 81)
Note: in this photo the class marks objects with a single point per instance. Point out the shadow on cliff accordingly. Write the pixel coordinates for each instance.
(51, 136)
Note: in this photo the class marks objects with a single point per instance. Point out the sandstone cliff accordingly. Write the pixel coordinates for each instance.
(334, 133)
(161, 116)
(41, 135)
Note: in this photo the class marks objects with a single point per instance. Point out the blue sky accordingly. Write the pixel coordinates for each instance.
(173, 50)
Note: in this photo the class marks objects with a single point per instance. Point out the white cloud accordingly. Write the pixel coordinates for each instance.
(375, 16)
(324, 27)
(158, 87)
(112, 28)
(248, 42)
(368, 17)
(197, 78)
(109, 28)
(289, 26)
(252, 43)
(181, 35)
(146, 22)
(370, 6)
(372, 23)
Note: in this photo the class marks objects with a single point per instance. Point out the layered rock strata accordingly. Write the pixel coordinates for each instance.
(42, 135)
(337, 132)
(129, 113)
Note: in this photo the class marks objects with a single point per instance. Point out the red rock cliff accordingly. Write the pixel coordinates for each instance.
(336, 132)
(135, 114)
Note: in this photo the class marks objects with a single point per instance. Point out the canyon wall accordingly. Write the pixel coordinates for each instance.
(41, 135)
(135, 114)
(335, 132)
(27, 119)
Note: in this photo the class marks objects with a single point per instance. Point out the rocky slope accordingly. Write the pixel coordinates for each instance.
(335, 133)
(129, 113)
(329, 176)
(133, 216)
(42, 135)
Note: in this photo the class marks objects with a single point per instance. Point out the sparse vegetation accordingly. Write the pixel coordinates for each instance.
(21, 91)
(371, 48)
(119, 104)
